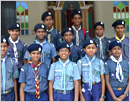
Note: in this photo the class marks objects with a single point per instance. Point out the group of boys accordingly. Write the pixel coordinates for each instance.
(66, 66)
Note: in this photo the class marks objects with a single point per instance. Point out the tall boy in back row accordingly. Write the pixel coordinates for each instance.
(80, 34)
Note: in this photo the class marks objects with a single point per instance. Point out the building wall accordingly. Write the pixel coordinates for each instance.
(36, 8)
(103, 11)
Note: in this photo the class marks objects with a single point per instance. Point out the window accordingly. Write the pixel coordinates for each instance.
(22, 17)
(121, 11)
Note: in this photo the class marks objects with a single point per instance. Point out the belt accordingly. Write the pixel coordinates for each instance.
(118, 88)
(35, 92)
(92, 83)
(7, 91)
(62, 91)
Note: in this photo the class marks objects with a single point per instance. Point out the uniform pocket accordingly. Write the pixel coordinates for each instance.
(58, 75)
(10, 74)
(85, 72)
(97, 72)
(70, 77)
(47, 54)
(30, 79)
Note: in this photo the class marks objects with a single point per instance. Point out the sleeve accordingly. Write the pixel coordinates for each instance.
(102, 67)
(26, 56)
(53, 51)
(81, 52)
(24, 49)
(59, 38)
(79, 64)
(87, 35)
(22, 76)
(76, 72)
(15, 70)
(106, 68)
(51, 75)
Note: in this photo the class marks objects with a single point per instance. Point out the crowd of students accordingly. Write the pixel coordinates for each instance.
(66, 66)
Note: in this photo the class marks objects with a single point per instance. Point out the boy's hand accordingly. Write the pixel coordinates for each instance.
(116, 99)
(101, 99)
(82, 99)
(122, 97)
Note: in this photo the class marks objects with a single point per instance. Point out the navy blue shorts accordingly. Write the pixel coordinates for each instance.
(8, 97)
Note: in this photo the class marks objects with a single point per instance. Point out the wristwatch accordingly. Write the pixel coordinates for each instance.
(103, 96)
(126, 93)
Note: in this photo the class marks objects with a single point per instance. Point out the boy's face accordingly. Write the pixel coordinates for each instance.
(68, 37)
(99, 30)
(116, 51)
(64, 53)
(119, 29)
(48, 21)
(35, 56)
(90, 50)
(4, 48)
(14, 33)
(40, 33)
(77, 20)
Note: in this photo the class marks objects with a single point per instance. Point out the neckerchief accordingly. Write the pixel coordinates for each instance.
(63, 74)
(117, 38)
(90, 74)
(36, 77)
(77, 34)
(15, 48)
(49, 34)
(101, 46)
(4, 72)
(119, 73)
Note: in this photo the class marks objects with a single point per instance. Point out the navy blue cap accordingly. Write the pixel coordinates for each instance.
(118, 22)
(88, 42)
(67, 29)
(13, 25)
(45, 14)
(97, 24)
(76, 12)
(34, 47)
(113, 44)
(39, 26)
(62, 45)
(4, 39)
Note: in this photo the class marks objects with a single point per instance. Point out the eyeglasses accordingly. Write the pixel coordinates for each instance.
(40, 31)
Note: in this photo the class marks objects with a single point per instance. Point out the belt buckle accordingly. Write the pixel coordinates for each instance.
(6, 92)
(63, 92)
(119, 88)
(93, 83)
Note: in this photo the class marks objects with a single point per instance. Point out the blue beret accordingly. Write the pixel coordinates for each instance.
(45, 14)
(118, 22)
(34, 47)
(13, 25)
(113, 44)
(97, 24)
(39, 26)
(4, 39)
(67, 29)
(88, 42)
(76, 12)
(62, 45)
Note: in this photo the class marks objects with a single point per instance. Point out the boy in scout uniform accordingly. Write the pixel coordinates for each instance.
(9, 73)
(48, 51)
(33, 77)
(119, 27)
(76, 51)
(53, 35)
(101, 41)
(63, 77)
(117, 74)
(80, 34)
(17, 48)
(92, 71)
